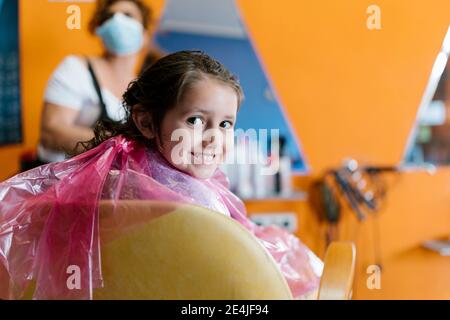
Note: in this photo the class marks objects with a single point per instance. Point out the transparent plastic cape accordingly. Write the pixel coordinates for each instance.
(49, 218)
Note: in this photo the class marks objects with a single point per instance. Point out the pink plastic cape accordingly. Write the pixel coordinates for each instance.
(49, 218)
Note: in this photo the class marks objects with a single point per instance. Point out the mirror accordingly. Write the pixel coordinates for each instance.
(430, 141)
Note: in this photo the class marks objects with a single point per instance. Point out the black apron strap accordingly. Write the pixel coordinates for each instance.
(103, 113)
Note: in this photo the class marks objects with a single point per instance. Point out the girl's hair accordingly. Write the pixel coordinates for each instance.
(101, 13)
(159, 88)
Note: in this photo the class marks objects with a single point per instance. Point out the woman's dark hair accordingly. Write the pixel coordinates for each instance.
(102, 13)
(159, 88)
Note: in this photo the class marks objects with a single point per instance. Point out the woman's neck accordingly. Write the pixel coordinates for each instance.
(124, 65)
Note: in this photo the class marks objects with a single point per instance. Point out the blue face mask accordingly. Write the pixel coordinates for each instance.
(121, 34)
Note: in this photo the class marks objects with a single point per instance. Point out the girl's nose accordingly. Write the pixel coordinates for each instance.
(209, 142)
(211, 139)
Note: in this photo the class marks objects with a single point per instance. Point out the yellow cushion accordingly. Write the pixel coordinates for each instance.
(189, 253)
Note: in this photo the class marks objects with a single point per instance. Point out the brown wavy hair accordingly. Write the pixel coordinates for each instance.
(158, 89)
(101, 13)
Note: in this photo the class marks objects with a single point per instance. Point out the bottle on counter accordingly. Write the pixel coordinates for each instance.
(283, 178)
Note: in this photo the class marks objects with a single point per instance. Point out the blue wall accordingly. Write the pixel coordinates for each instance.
(10, 117)
(257, 111)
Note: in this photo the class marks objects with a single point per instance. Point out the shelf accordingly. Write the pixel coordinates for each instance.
(296, 196)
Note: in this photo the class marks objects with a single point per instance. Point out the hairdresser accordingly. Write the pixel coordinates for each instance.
(83, 90)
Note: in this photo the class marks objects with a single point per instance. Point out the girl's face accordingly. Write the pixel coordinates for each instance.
(204, 119)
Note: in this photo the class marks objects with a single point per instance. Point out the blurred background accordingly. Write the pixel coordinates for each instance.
(359, 90)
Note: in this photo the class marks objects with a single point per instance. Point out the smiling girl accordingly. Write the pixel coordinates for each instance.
(187, 92)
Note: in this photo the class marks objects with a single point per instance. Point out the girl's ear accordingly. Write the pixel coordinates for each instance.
(143, 122)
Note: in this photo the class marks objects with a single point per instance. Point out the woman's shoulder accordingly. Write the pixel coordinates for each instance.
(69, 83)
(72, 63)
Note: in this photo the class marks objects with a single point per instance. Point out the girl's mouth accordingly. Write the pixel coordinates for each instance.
(201, 157)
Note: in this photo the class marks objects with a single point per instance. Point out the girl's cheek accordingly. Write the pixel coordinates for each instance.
(224, 152)
(228, 142)
(196, 141)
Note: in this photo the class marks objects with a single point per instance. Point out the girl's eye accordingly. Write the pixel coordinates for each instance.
(195, 121)
(226, 124)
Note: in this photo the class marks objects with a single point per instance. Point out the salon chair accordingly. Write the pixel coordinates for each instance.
(194, 253)
(159, 250)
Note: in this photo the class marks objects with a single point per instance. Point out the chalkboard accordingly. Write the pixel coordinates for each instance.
(10, 104)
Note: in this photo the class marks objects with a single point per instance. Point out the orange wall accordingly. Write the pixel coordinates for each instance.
(348, 91)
